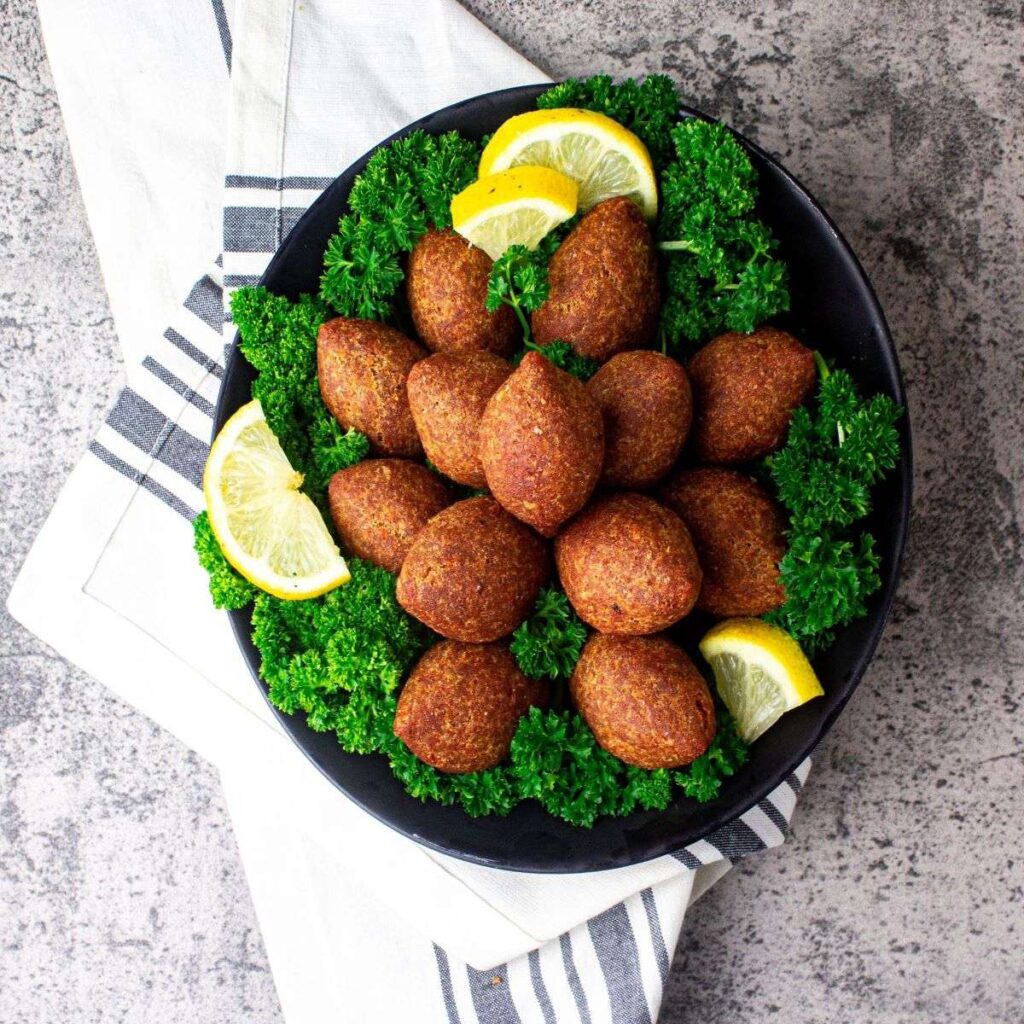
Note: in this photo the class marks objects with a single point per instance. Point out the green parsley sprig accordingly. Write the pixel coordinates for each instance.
(721, 272)
(519, 279)
(834, 454)
(405, 189)
(562, 355)
(549, 643)
(228, 588)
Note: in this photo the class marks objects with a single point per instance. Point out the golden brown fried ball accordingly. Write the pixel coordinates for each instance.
(473, 573)
(446, 284)
(461, 705)
(379, 505)
(542, 444)
(362, 366)
(745, 388)
(628, 565)
(644, 700)
(738, 531)
(646, 403)
(604, 284)
(448, 393)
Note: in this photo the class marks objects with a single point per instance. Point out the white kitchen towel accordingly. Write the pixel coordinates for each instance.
(111, 583)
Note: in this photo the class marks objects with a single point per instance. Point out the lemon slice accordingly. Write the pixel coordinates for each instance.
(267, 528)
(760, 671)
(601, 156)
(515, 207)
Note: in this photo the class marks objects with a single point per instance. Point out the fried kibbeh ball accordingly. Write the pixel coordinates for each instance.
(362, 366)
(542, 444)
(646, 403)
(473, 572)
(448, 393)
(604, 284)
(628, 565)
(446, 284)
(738, 531)
(745, 388)
(644, 700)
(461, 704)
(379, 505)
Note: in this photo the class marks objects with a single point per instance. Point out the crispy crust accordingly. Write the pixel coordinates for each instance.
(644, 699)
(474, 572)
(628, 565)
(446, 285)
(647, 406)
(362, 366)
(745, 388)
(738, 531)
(462, 703)
(604, 285)
(448, 393)
(542, 444)
(380, 505)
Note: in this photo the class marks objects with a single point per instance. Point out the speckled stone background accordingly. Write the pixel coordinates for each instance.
(900, 896)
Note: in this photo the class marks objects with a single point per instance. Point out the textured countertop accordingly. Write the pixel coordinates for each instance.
(899, 897)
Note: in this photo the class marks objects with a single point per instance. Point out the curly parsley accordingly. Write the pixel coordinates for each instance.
(228, 588)
(549, 643)
(834, 454)
(405, 189)
(721, 272)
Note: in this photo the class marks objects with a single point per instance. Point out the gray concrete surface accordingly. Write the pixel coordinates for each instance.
(899, 898)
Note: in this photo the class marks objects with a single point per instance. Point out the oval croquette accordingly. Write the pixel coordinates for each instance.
(628, 565)
(738, 531)
(604, 290)
(473, 573)
(461, 704)
(542, 444)
(362, 366)
(446, 284)
(645, 400)
(745, 388)
(448, 393)
(644, 700)
(379, 505)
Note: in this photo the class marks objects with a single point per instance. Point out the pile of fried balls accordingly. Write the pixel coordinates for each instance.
(624, 486)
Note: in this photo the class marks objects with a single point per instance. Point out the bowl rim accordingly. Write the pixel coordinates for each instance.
(241, 619)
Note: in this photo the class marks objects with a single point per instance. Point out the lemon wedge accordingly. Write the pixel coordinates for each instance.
(516, 207)
(602, 157)
(760, 671)
(267, 528)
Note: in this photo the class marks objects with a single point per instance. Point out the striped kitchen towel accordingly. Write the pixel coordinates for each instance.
(359, 923)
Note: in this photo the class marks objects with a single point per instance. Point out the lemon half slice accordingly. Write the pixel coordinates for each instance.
(267, 528)
(601, 156)
(516, 207)
(760, 671)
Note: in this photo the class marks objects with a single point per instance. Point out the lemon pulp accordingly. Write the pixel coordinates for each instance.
(267, 528)
(760, 673)
(514, 207)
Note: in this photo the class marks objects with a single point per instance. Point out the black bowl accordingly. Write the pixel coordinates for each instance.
(835, 310)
